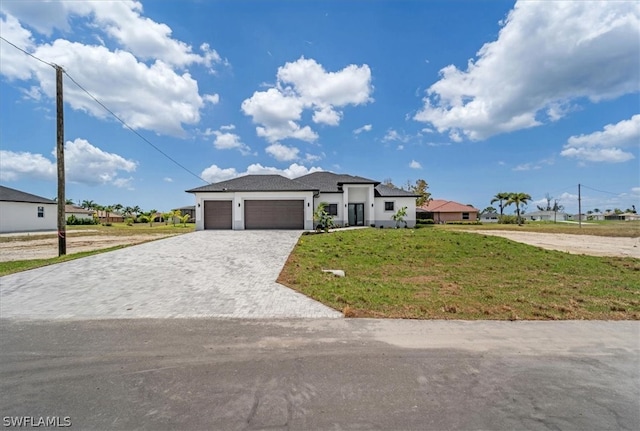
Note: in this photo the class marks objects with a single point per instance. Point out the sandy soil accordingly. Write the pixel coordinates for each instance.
(575, 244)
(43, 248)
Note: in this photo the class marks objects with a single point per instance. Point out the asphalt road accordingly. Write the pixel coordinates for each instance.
(335, 374)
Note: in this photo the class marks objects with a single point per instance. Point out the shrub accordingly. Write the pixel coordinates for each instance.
(508, 219)
(72, 220)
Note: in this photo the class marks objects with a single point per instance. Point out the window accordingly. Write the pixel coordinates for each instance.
(332, 209)
(465, 216)
(40, 212)
(388, 206)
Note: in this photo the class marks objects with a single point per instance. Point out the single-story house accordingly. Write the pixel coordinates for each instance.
(490, 217)
(622, 216)
(24, 212)
(189, 209)
(114, 217)
(78, 212)
(443, 211)
(276, 202)
(546, 216)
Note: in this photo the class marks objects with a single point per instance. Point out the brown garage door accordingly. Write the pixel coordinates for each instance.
(217, 214)
(274, 214)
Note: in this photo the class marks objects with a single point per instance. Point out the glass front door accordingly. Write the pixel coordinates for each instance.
(356, 214)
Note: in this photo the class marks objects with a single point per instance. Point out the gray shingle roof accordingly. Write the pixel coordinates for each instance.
(328, 182)
(385, 191)
(256, 183)
(12, 195)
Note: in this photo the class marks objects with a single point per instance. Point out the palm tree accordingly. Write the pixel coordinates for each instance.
(136, 210)
(518, 199)
(107, 209)
(501, 197)
(88, 205)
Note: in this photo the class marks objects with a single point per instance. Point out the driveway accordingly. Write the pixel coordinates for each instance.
(201, 274)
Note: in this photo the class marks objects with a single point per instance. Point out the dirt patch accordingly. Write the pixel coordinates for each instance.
(575, 244)
(44, 248)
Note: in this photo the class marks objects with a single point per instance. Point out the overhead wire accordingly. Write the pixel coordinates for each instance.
(123, 122)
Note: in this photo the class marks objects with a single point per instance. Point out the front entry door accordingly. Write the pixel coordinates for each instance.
(356, 214)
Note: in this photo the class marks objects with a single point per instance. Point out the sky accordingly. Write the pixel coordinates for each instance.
(476, 97)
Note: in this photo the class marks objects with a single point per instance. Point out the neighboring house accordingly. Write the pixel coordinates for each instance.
(191, 210)
(592, 216)
(443, 211)
(546, 216)
(114, 217)
(276, 202)
(490, 217)
(622, 216)
(78, 212)
(24, 212)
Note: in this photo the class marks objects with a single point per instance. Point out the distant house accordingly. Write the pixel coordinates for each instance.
(77, 212)
(622, 216)
(191, 210)
(114, 217)
(443, 211)
(546, 216)
(490, 217)
(24, 212)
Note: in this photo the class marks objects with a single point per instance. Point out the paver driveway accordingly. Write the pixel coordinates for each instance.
(200, 274)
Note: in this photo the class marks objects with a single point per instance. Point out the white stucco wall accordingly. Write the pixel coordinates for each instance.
(23, 217)
(237, 204)
(383, 218)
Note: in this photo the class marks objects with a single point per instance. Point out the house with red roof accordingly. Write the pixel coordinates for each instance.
(443, 211)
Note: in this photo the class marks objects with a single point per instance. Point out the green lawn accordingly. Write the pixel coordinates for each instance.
(439, 273)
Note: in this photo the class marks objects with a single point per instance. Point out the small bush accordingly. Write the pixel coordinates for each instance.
(508, 219)
(72, 220)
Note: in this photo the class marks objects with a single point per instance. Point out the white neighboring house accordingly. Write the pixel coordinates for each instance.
(24, 212)
(77, 212)
(276, 202)
(546, 216)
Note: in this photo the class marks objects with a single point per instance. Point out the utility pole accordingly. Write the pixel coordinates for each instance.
(62, 237)
(579, 208)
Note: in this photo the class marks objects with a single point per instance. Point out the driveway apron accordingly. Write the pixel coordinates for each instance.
(200, 274)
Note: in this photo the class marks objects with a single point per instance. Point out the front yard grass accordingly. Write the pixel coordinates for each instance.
(434, 273)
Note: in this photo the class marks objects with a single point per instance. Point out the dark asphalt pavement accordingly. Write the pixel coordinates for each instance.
(334, 374)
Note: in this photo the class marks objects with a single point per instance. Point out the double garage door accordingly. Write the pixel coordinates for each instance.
(269, 214)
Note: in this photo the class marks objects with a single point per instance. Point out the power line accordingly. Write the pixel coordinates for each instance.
(601, 191)
(124, 123)
(28, 53)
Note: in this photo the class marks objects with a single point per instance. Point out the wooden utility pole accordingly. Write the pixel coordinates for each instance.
(579, 208)
(62, 234)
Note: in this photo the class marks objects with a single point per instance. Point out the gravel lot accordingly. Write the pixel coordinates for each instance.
(43, 247)
(575, 244)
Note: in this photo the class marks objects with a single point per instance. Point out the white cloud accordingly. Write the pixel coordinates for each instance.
(84, 163)
(365, 128)
(14, 166)
(282, 152)
(415, 165)
(547, 55)
(215, 174)
(327, 115)
(394, 135)
(121, 21)
(229, 141)
(141, 85)
(534, 165)
(305, 85)
(606, 145)
(168, 179)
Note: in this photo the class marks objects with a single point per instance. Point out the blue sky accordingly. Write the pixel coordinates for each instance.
(475, 97)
